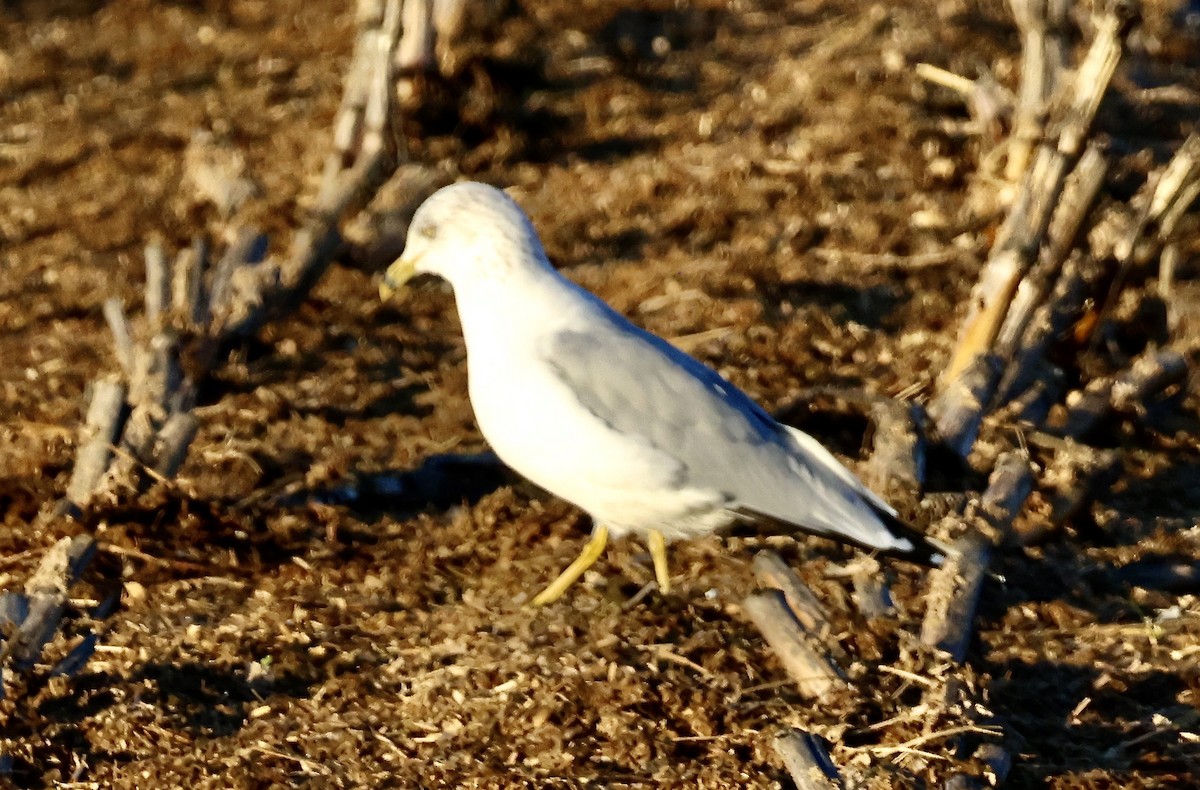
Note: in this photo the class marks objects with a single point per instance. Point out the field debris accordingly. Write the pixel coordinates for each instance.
(251, 535)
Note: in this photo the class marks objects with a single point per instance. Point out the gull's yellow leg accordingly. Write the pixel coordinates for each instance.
(586, 559)
(658, 552)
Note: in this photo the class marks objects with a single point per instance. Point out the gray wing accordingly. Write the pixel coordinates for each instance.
(641, 385)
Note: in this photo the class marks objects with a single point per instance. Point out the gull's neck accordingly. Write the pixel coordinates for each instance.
(514, 301)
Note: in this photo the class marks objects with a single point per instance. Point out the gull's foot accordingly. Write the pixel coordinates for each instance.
(586, 559)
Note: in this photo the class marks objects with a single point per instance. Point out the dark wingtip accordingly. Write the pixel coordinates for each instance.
(924, 551)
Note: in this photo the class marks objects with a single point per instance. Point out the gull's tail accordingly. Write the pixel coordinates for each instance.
(815, 456)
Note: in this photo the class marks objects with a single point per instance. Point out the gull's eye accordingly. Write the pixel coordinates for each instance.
(428, 230)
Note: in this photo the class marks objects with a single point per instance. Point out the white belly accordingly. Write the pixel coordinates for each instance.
(538, 427)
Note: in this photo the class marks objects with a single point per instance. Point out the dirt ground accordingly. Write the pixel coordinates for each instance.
(753, 179)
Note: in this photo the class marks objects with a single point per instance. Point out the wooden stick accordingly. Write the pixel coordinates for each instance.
(158, 283)
(1129, 392)
(46, 592)
(974, 371)
(1016, 244)
(958, 410)
(773, 573)
(1078, 281)
(1131, 234)
(1085, 409)
(151, 374)
(1078, 195)
(806, 760)
(955, 587)
(248, 247)
(986, 309)
(188, 295)
(1168, 263)
(449, 17)
(1034, 405)
(348, 124)
(815, 676)
(172, 444)
(416, 49)
(351, 178)
(375, 237)
(153, 436)
(1150, 374)
(361, 125)
(1009, 485)
(896, 467)
(103, 424)
(1029, 294)
(947, 79)
(1026, 224)
(1136, 235)
(134, 450)
(953, 596)
(871, 592)
(1091, 82)
(118, 324)
(1177, 188)
(1041, 24)
(987, 100)
(896, 470)
(159, 391)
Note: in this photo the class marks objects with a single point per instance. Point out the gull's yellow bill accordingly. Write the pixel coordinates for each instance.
(396, 276)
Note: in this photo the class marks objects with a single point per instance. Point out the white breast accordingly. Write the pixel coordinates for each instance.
(537, 426)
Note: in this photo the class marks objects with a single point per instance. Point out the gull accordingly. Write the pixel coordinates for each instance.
(644, 438)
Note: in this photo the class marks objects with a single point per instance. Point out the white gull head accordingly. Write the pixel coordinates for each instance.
(466, 233)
